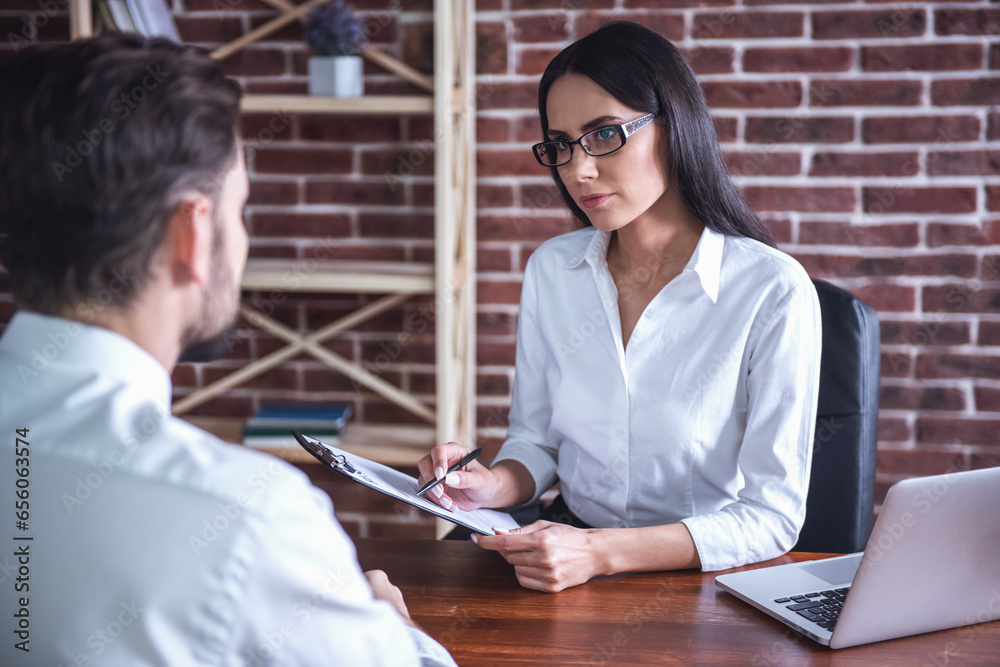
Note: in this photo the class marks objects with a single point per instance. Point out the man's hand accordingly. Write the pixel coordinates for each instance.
(383, 589)
(547, 556)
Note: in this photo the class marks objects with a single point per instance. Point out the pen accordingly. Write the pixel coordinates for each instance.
(465, 460)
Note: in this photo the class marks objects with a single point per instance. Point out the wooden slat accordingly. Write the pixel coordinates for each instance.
(296, 275)
(371, 104)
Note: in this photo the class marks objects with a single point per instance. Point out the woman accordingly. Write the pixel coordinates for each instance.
(667, 355)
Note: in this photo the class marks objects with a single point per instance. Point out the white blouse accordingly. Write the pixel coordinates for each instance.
(707, 417)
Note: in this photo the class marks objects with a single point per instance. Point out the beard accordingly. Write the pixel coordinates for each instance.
(215, 332)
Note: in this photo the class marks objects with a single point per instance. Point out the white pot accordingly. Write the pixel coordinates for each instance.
(337, 76)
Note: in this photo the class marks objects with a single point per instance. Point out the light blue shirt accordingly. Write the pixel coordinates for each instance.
(153, 542)
(706, 417)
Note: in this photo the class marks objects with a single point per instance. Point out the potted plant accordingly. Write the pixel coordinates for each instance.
(336, 37)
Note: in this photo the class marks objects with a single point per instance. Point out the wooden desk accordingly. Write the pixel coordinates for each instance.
(469, 600)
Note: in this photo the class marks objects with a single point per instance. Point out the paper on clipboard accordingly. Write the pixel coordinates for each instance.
(400, 486)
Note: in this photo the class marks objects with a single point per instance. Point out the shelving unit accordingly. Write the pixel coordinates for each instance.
(451, 279)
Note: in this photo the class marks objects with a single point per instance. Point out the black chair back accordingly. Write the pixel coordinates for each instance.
(841, 502)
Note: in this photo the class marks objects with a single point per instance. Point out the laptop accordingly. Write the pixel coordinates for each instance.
(932, 563)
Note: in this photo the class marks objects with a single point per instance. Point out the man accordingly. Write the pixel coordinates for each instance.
(137, 538)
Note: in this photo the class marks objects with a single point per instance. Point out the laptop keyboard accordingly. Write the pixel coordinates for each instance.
(822, 608)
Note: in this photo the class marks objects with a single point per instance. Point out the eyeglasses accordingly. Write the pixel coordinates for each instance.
(602, 141)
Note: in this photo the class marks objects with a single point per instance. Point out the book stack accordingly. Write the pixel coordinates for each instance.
(272, 426)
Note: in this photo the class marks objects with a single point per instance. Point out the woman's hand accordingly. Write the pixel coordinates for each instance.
(547, 556)
(469, 488)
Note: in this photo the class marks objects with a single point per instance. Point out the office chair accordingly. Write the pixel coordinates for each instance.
(840, 503)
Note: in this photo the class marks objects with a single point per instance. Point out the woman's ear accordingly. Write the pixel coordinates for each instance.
(189, 241)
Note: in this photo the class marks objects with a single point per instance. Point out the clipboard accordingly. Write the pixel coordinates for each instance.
(400, 486)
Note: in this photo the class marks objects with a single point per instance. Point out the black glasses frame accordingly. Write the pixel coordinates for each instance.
(624, 131)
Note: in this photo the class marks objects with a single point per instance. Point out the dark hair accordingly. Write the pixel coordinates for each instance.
(646, 72)
(99, 141)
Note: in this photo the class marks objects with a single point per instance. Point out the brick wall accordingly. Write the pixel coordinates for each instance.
(865, 133)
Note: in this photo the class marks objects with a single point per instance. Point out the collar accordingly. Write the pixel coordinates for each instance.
(706, 261)
(36, 342)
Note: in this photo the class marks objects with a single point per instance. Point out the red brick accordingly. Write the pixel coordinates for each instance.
(260, 129)
(519, 228)
(963, 163)
(534, 61)
(528, 128)
(888, 23)
(541, 197)
(302, 161)
(217, 29)
(273, 193)
(494, 259)
(921, 57)
(494, 196)
(989, 333)
(852, 92)
(945, 234)
(926, 398)
(276, 378)
(518, 5)
(893, 430)
(397, 164)
(553, 27)
(345, 250)
(672, 4)
(729, 25)
(918, 200)
(987, 399)
(896, 364)
(798, 59)
(753, 94)
(993, 197)
(966, 298)
(828, 265)
(918, 462)
(931, 332)
(918, 265)
(495, 324)
(500, 95)
(397, 225)
(887, 298)
(781, 228)
(899, 235)
(984, 459)
(967, 431)
(709, 59)
(354, 192)
(256, 62)
(919, 129)
(490, 130)
(794, 129)
(982, 91)
(957, 366)
(348, 129)
(498, 291)
(670, 26)
(994, 57)
(494, 354)
(222, 406)
(967, 21)
(301, 224)
(517, 162)
(807, 199)
(763, 163)
(497, 417)
(492, 385)
(397, 350)
(491, 48)
(284, 87)
(865, 164)
(725, 128)
(184, 375)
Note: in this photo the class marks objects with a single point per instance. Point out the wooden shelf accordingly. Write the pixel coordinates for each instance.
(373, 104)
(391, 445)
(300, 275)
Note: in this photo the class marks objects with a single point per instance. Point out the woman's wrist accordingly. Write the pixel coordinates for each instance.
(514, 484)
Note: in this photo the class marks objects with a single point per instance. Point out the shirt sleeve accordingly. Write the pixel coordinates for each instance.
(776, 453)
(306, 599)
(530, 408)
